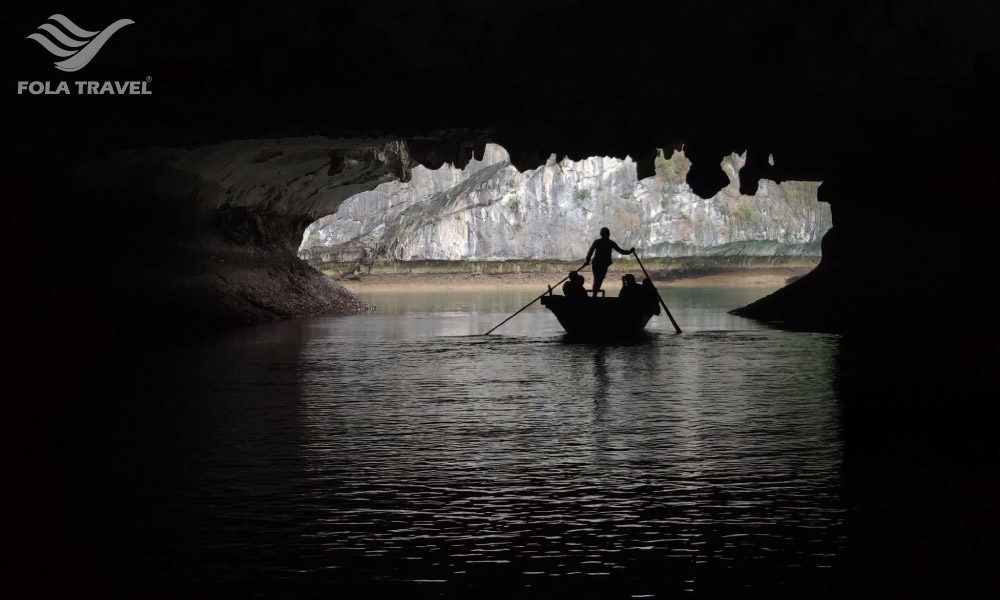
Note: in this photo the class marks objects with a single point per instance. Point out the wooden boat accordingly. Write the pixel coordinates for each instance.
(601, 318)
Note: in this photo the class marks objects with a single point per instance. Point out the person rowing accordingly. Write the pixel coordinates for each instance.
(600, 251)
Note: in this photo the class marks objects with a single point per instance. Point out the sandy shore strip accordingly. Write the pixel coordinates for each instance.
(763, 277)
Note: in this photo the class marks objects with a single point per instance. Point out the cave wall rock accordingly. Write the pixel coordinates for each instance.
(207, 235)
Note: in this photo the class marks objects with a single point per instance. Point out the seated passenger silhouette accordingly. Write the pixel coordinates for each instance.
(600, 250)
(573, 289)
(630, 291)
(649, 295)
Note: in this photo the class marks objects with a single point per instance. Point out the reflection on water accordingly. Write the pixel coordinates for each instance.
(398, 453)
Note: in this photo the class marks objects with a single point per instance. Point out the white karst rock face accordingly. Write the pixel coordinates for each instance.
(490, 211)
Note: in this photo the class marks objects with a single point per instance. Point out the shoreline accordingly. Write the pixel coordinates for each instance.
(426, 282)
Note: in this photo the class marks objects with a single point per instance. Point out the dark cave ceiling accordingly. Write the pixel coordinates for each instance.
(816, 84)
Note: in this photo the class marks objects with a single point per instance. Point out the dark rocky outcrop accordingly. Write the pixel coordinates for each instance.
(206, 237)
(922, 205)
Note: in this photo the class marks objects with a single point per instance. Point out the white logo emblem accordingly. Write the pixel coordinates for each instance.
(85, 44)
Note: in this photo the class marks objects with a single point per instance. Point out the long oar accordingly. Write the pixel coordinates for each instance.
(533, 301)
(664, 304)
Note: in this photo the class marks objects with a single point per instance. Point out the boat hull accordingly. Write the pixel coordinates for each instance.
(600, 318)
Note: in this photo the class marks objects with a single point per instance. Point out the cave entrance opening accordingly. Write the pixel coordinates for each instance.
(491, 218)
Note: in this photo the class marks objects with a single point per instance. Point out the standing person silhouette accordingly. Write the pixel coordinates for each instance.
(600, 250)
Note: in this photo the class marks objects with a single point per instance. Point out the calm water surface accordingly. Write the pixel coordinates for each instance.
(397, 453)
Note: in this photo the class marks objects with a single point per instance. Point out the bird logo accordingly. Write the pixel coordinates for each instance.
(73, 43)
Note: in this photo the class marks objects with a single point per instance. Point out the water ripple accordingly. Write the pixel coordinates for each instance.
(388, 454)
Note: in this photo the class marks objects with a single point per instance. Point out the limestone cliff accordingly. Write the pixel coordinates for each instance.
(491, 211)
